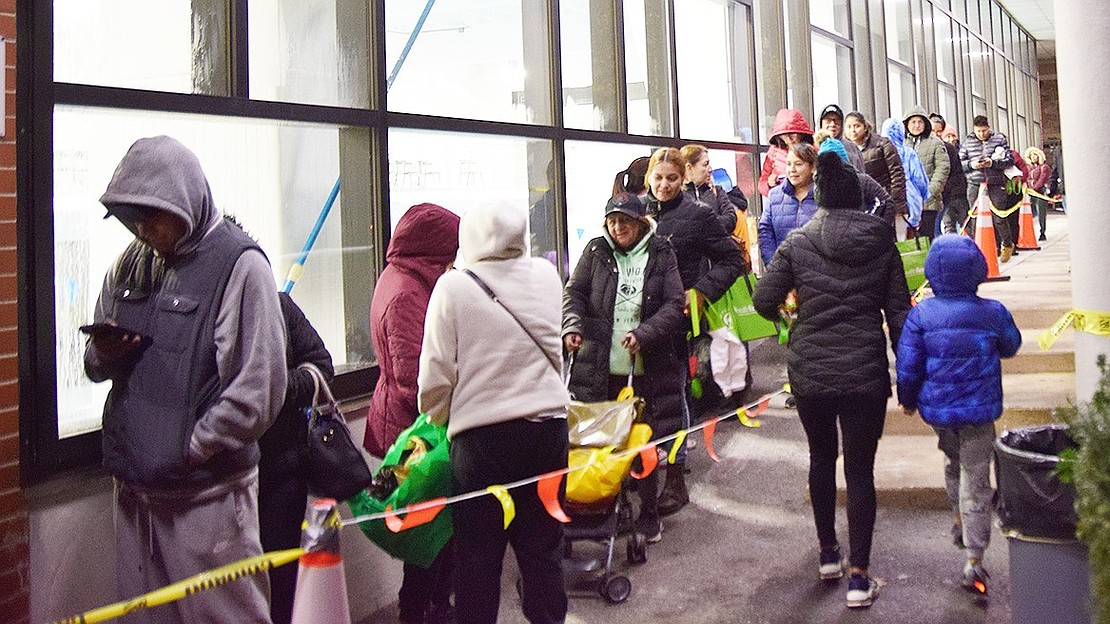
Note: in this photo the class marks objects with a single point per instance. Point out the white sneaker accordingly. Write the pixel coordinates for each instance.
(831, 564)
(862, 591)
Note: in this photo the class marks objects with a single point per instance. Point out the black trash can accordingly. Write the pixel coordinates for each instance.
(1049, 573)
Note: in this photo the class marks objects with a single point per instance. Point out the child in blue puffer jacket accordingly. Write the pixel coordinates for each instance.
(950, 369)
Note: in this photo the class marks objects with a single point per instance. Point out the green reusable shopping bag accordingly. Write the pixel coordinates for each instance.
(427, 479)
(735, 311)
(913, 260)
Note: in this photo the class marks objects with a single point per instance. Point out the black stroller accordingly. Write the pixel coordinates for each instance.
(597, 498)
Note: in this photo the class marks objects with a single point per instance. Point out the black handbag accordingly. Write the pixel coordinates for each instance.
(333, 465)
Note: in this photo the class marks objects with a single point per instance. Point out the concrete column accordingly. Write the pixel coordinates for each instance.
(1083, 64)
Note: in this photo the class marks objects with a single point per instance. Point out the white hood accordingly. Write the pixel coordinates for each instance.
(497, 231)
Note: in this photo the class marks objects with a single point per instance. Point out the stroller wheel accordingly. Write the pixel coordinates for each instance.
(637, 548)
(615, 589)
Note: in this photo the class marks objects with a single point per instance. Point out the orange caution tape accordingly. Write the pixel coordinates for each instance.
(320, 559)
(548, 490)
(762, 405)
(707, 434)
(426, 513)
(649, 458)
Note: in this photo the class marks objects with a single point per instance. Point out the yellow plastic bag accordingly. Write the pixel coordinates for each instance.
(602, 479)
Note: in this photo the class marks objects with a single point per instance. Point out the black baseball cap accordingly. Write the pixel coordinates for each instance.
(626, 204)
(831, 109)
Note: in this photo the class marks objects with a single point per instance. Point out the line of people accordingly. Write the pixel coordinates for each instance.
(928, 178)
(193, 301)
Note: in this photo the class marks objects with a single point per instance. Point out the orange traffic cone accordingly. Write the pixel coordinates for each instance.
(1027, 240)
(321, 593)
(984, 234)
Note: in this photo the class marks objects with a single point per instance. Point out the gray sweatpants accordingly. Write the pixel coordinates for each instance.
(162, 538)
(967, 466)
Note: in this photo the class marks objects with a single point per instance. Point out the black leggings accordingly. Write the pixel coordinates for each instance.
(861, 422)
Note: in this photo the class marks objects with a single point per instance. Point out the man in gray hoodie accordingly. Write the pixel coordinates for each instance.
(196, 356)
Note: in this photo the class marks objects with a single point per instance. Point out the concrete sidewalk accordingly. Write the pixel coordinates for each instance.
(745, 549)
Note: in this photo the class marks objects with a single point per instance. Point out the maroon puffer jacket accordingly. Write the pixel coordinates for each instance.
(423, 245)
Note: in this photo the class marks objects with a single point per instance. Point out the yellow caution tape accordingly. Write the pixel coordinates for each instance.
(1089, 321)
(746, 420)
(679, 438)
(192, 585)
(1041, 196)
(501, 493)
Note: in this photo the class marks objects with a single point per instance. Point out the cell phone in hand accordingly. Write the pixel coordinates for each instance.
(107, 329)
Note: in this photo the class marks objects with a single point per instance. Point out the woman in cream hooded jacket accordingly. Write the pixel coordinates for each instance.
(504, 403)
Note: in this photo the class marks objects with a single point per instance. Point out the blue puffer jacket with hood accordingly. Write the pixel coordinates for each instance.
(949, 354)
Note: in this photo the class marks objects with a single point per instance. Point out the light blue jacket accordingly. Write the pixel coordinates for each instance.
(917, 181)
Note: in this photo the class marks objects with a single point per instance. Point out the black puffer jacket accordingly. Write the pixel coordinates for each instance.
(282, 444)
(847, 272)
(717, 200)
(588, 302)
(956, 187)
(708, 260)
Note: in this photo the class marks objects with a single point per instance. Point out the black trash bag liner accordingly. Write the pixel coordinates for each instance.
(1031, 500)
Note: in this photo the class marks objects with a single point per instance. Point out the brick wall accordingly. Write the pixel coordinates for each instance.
(1050, 99)
(14, 558)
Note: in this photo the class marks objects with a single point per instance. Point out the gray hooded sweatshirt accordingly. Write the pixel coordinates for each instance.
(212, 312)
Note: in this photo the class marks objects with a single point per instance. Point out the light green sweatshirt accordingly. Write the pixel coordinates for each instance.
(631, 266)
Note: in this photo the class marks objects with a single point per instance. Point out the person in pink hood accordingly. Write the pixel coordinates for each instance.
(790, 127)
(422, 248)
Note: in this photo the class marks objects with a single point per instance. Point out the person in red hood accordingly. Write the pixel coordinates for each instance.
(790, 127)
(422, 248)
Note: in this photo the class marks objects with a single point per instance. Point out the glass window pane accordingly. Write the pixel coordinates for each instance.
(946, 67)
(948, 108)
(832, 74)
(978, 62)
(458, 171)
(899, 41)
(476, 59)
(978, 106)
(832, 16)
(588, 55)
(743, 65)
(959, 10)
(705, 79)
(1000, 65)
(295, 52)
(646, 44)
(97, 42)
(274, 177)
(902, 93)
(591, 170)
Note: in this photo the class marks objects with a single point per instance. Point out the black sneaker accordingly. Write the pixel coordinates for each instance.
(832, 563)
(975, 578)
(862, 591)
(1042, 237)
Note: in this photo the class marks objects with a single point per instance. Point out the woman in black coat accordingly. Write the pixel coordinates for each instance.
(708, 261)
(622, 308)
(847, 273)
(282, 489)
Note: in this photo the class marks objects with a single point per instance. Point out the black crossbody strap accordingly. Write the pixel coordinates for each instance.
(492, 295)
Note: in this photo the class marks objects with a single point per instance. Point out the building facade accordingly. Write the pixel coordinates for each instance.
(534, 102)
